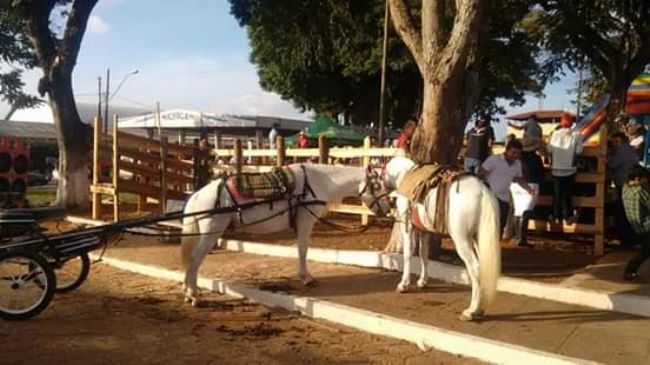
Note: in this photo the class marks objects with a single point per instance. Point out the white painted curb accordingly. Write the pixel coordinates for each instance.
(422, 335)
(622, 303)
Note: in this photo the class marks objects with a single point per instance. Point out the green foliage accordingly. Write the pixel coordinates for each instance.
(611, 36)
(326, 56)
(15, 55)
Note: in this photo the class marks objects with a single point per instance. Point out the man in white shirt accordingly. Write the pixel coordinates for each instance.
(502, 170)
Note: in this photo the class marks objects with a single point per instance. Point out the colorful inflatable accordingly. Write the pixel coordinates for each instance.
(638, 96)
(594, 117)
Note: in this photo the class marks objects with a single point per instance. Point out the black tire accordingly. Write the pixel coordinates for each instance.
(40, 272)
(79, 275)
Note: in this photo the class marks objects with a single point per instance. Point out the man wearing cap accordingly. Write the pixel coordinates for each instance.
(479, 145)
(620, 162)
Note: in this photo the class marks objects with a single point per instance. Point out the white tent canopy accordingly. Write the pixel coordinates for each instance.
(181, 118)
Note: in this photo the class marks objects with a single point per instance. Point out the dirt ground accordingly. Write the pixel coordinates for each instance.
(123, 318)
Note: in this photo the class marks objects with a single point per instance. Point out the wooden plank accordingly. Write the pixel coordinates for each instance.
(578, 201)
(106, 189)
(544, 226)
(144, 170)
(128, 186)
(143, 142)
(349, 208)
(163, 174)
(155, 159)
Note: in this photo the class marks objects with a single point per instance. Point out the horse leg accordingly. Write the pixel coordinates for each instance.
(304, 227)
(424, 239)
(407, 244)
(211, 230)
(464, 247)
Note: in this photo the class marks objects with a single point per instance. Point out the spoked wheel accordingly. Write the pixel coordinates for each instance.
(71, 273)
(27, 285)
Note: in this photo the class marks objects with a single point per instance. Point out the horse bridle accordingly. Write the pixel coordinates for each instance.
(373, 184)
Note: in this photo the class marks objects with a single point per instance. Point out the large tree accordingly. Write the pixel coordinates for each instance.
(326, 56)
(612, 37)
(15, 55)
(447, 54)
(55, 29)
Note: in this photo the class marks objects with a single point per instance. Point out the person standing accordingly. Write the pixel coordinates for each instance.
(500, 172)
(273, 135)
(404, 139)
(565, 144)
(637, 139)
(479, 145)
(303, 141)
(622, 159)
(636, 200)
(524, 201)
(531, 128)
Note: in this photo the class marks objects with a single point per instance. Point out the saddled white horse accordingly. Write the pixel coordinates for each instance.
(314, 183)
(473, 224)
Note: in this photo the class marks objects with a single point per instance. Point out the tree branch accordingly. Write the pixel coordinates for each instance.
(74, 31)
(432, 29)
(470, 15)
(403, 22)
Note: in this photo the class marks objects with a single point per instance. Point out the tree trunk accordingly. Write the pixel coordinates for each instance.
(439, 135)
(74, 145)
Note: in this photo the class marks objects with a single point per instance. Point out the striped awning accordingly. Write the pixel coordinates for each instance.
(638, 95)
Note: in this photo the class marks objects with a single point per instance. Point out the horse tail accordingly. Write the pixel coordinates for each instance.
(489, 245)
(191, 237)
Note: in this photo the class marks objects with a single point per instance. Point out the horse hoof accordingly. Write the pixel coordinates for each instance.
(187, 300)
(195, 303)
(421, 284)
(469, 317)
(402, 288)
(310, 283)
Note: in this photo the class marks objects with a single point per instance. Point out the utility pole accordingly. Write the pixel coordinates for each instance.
(382, 91)
(108, 82)
(579, 97)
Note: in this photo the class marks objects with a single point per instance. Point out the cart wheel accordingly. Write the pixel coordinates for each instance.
(27, 285)
(72, 273)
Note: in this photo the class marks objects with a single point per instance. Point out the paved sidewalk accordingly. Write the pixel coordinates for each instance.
(573, 331)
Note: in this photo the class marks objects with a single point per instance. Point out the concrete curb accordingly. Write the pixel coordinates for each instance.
(423, 336)
(622, 303)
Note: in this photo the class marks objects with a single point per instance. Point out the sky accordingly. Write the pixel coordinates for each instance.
(189, 54)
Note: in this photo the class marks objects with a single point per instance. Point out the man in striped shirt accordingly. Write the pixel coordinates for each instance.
(636, 200)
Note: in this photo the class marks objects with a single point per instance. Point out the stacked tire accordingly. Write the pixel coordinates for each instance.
(14, 166)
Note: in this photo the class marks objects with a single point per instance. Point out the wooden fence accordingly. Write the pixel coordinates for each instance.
(594, 179)
(141, 166)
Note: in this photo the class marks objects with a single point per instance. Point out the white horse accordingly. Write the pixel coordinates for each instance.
(322, 183)
(473, 224)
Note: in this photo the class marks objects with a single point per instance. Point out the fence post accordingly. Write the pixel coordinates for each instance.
(97, 201)
(323, 150)
(163, 174)
(282, 152)
(365, 161)
(239, 156)
(116, 171)
(601, 196)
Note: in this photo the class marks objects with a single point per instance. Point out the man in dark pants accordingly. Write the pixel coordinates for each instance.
(502, 170)
(622, 159)
(636, 199)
